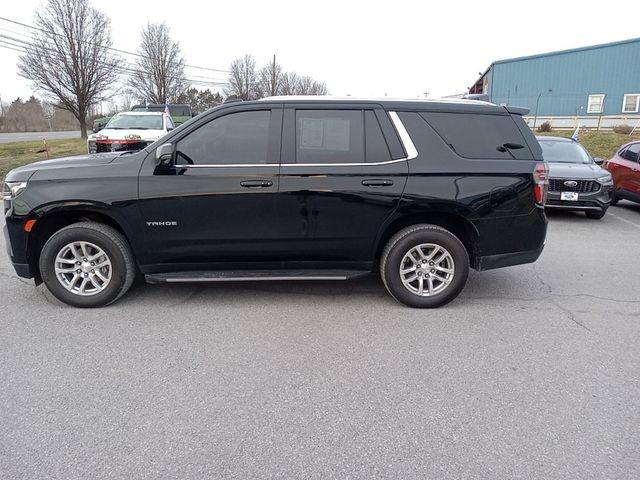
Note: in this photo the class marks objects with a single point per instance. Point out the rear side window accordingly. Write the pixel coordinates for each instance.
(376, 146)
(329, 136)
(480, 136)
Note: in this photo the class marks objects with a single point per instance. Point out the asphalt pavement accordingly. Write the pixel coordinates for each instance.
(27, 136)
(532, 373)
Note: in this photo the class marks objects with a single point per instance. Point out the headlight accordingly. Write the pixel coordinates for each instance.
(605, 178)
(99, 137)
(12, 189)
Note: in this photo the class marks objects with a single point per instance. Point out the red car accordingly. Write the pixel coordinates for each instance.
(625, 169)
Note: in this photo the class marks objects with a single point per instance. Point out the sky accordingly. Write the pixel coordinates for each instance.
(397, 48)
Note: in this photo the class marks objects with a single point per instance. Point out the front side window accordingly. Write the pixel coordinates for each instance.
(236, 138)
(631, 103)
(329, 136)
(596, 103)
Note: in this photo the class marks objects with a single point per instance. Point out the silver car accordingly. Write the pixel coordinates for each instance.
(576, 180)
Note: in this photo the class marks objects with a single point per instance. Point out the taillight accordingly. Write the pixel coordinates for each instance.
(541, 181)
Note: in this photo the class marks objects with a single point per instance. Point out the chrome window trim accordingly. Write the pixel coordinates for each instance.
(405, 139)
(409, 147)
(227, 165)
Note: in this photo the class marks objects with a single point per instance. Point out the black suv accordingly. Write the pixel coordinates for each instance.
(289, 188)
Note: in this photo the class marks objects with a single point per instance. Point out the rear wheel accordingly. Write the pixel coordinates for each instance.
(87, 264)
(595, 214)
(424, 266)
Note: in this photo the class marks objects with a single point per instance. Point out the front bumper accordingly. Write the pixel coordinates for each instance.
(598, 200)
(15, 242)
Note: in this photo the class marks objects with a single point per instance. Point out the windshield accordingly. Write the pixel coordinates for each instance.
(137, 122)
(564, 152)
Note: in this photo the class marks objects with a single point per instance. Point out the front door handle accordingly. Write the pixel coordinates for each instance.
(377, 182)
(256, 183)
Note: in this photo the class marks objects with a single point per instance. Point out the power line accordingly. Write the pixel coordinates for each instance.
(195, 79)
(21, 46)
(117, 68)
(31, 38)
(109, 48)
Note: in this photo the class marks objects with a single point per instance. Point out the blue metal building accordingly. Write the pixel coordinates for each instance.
(595, 81)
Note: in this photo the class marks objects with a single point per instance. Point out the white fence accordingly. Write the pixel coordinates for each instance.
(591, 121)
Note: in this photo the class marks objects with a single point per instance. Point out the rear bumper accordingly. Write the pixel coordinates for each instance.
(509, 259)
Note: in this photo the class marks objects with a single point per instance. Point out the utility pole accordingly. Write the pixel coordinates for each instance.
(535, 116)
(273, 77)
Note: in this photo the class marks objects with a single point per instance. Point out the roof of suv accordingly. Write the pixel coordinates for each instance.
(450, 105)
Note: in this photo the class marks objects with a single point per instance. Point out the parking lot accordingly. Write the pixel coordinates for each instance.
(534, 372)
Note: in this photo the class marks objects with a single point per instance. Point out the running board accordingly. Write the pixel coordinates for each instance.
(252, 275)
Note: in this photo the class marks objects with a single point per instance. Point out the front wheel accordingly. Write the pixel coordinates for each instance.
(614, 199)
(424, 266)
(595, 214)
(87, 264)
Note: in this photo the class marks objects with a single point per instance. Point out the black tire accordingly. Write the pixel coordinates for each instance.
(614, 199)
(112, 242)
(401, 243)
(595, 214)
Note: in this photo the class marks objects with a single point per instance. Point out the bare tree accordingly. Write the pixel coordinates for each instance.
(248, 84)
(243, 79)
(159, 74)
(270, 79)
(48, 109)
(126, 100)
(309, 86)
(69, 59)
(289, 83)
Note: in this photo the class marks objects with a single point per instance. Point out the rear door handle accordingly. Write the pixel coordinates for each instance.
(377, 182)
(256, 183)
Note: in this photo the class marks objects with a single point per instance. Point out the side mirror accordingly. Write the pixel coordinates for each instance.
(164, 155)
(599, 161)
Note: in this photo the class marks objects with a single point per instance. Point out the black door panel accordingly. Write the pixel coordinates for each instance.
(334, 205)
(331, 215)
(221, 204)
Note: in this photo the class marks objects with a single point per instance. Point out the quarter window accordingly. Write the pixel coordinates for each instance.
(237, 138)
(329, 136)
(631, 103)
(479, 135)
(596, 103)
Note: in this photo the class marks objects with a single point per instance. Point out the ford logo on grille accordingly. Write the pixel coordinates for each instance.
(570, 183)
